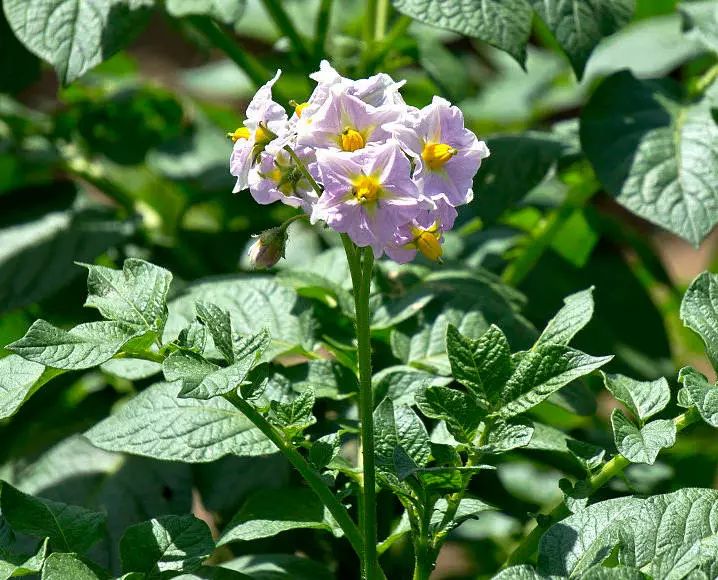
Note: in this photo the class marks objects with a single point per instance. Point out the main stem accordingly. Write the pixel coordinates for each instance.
(361, 265)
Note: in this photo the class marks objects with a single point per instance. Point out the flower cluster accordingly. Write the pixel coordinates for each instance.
(358, 158)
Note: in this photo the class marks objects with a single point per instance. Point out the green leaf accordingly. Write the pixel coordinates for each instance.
(12, 566)
(483, 365)
(328, 379)
(70, 528)
(324, 450)
(575, 314)
(19, 380)
(402, 383)
(156, 423)
(254, 303)
(551, 440)
(37, 256)
(523, 572)
(642, 445)
(580, 26)
(135, 295)
(295, 415)
(63, 566)
(219, 323)
(699, 311)
(226, 11)
(505, 436)
(279, 567)
(700, 22)
(654, 153)
(702, 394)
(164, 546)
(643, 398)
(399, 428)
(459, 410)
(469, 509)
(83, 35)
(542, 372)
(586, 537)
(504, 24)
(270, 512)
(83, 347)
(193, 337)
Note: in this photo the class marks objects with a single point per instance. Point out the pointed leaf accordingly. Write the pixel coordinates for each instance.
(399, 427)
(83, 347)
(542, 372)
(642, 445)
(19, 380)
(459, 410)
(135, 295)
(643, 398)
(702, 394)
(219, 324)
(164, 546)
(70, 528)
(575, 314)
(699, 311)
(296, 414)
(63, 566)
(156, 423)
(483, 365)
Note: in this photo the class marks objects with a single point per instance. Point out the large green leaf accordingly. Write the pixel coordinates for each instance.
(156, 423)
(74, 35)
(254, 303)
(505, 24)
(135, 295)
(83, 347)
(579, 25)
(270, 512)
(36, 257)
(70, 528)
(61, 566)
(543, 371)
(164, 546)
(699, 311)
(655, 153)
(642, 445)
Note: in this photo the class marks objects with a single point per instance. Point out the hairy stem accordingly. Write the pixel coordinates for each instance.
(610, 469)
(310, 475)
(544, 234)
(245, 61)
(361, 265)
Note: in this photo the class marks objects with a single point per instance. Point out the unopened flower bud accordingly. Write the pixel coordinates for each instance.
(269, 248)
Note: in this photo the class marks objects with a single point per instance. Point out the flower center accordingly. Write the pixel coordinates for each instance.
(437, 154)
(239, 133)
(299, 108)
(351, 139)
(366, 189)
(262, 135)
(427, 242)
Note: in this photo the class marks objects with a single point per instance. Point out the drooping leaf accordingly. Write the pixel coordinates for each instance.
(580, 26)
(83, 347)
(654, 153)
(156, 423)
(505, 25)
(483, 365)
(70, 528)
(642, 445)
(164, 546)
(575, 314)
(135, 295)
(699, 311)
(268, 513)
(74, 36)
(61, 566)
(459, 410)
(702, 394)
(643, 398)
(543, 371)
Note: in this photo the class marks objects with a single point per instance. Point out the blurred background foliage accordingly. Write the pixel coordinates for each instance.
(131, 159)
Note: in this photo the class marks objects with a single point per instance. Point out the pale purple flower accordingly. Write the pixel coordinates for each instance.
(346, 123)
(423, 234)
(266, 121)
(447, 154)
(368, 194)
(277, 178)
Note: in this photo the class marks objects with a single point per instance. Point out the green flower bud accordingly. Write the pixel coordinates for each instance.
(269, 248)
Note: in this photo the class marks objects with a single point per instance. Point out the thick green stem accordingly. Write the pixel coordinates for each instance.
(284, 24)
(361, 265)
(610, 469)
(312, 477)
(546, 231)
(219, 38)
(369, 23)
(322, 27)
